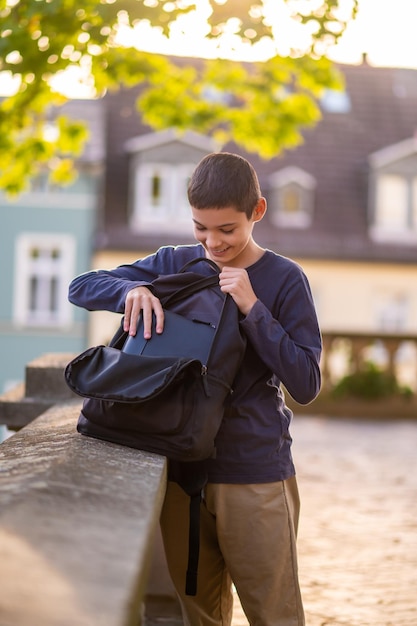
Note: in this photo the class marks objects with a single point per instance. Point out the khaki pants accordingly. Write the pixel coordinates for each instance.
(248, 536)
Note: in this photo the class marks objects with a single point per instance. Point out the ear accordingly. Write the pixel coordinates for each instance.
(260, 210)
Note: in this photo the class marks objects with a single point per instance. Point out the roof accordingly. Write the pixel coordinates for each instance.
(376, 122)
(92, 112)
(151, 140)
(393, 153)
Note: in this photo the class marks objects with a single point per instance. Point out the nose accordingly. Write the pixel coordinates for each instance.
(213, 240)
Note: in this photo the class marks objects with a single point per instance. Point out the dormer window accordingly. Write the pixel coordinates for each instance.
(160, 197)
(161, 165)
(393, 193)
(395, 209)
(291, 198)
(392, 204)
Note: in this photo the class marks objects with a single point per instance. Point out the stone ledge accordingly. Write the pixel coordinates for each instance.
(44, 377)
(77, 522)
(18, 410)
(44, 386)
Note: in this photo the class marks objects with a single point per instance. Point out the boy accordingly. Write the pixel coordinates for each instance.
(249, 513)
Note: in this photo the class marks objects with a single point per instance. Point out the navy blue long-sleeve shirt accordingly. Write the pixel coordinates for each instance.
(284, 348)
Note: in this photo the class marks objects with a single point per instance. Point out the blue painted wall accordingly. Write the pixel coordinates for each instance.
(69, 212)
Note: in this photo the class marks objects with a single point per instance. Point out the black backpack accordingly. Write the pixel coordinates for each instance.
(168, 394)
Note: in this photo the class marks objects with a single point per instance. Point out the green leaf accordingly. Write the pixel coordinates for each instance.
(261, 106)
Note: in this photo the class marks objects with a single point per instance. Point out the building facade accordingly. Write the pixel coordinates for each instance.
(343, 204)
(46, 238)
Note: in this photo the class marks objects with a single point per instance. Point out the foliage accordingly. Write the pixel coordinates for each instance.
(261, 106)
(369, 383)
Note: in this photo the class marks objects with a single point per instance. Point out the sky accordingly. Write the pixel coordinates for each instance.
(384, 29)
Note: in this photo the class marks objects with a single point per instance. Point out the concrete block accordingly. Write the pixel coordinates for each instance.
(44, 386)
(45, 377)
(78, 519)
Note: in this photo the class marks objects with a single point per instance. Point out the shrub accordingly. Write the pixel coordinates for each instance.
(370, 382)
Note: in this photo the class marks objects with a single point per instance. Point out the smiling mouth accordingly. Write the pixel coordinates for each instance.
(219, 251)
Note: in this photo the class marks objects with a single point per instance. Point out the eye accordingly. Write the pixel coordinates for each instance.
(227, 232)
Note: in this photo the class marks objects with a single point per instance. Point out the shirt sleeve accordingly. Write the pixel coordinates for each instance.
(289, 343)
(106, 290)
(102, 290)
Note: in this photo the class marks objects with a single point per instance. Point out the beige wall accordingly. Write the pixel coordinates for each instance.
(347, 295)
(103, 324)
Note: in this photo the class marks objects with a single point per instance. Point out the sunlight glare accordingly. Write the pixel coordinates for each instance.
(10, 83)
(386, 35)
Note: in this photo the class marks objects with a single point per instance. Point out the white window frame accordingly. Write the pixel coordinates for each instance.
(181, 204)
(304, 184)
(45, 269)
(143, 191)
(173, 212)
(395, 209)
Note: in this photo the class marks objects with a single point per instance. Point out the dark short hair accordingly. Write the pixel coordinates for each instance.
(221, 180)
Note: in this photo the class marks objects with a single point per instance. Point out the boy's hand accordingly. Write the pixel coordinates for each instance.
(235, 280)
(141, 301)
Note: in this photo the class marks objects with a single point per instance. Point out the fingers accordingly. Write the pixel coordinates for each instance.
(140, 301)
(234, 279)
(236, 282)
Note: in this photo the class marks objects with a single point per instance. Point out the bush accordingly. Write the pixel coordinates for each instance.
(370, 383)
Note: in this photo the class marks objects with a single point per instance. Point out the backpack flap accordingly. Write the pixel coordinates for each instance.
(107, 373)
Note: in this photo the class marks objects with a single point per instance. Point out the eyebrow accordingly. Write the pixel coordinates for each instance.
(227, 225)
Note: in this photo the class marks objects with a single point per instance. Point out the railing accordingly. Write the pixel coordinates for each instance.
(357, 347)
(345, 353)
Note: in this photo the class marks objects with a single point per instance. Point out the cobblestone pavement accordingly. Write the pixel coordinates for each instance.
(357, 543)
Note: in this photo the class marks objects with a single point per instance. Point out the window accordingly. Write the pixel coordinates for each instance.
(335, 101)
(392, 312)
(391, 203)
(160, 198)
(44, 267)
(292, 198)
(152, 185)
(395, 210)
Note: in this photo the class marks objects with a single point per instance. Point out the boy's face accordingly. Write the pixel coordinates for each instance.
(226, 234)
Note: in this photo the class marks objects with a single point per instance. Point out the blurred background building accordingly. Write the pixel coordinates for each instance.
(343, 204)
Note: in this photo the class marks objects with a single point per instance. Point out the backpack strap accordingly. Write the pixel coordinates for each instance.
(193, 545)
(200, 282)
(188, 290)
(200, 259)
(192, 478)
